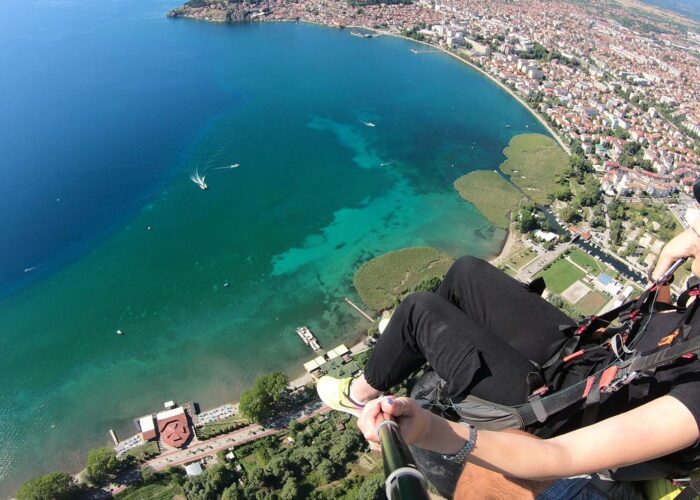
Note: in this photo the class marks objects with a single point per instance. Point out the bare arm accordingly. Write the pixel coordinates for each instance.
(653, 430)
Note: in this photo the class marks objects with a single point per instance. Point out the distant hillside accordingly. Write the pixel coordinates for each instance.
(690, 8)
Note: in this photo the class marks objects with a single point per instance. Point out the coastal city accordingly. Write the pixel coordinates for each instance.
(617, 85)
(603, 77)
(586, 212)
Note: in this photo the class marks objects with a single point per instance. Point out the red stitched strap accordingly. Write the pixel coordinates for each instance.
(574, 355)
(605, 379)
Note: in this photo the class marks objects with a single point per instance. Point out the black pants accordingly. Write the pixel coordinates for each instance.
(480, 332)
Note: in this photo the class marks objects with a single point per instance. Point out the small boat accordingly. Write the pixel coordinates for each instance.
(368, 124)
(199, 180)
(235, 165)
(508, 125)
(119, 332)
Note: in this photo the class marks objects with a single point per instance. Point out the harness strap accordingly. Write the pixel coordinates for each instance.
(590, 407)
(607, 380)
(665, 356)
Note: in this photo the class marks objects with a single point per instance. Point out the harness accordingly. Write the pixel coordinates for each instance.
(615, 346)
(607, 341)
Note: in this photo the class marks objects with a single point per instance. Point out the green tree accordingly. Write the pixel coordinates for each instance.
(327, 471)
(597, 221)
(616, 209)
(295, 427)
(616, 233)
(52, 486)
(262, 401)
(564, 194)
(233, 493)
(557, 301)
(526, 220)
(339, 454)
(621, 133)
(372, 488)
(591, 192)
(101, 465)
(568, 214)
(290, 490)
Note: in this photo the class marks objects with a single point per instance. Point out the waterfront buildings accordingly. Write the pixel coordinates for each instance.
(607, 78)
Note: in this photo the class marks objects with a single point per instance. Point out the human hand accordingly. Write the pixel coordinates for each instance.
(415, 423)
(685, 244)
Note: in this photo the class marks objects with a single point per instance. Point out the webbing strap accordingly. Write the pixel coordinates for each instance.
(664, 356)
(590, 411)
(607, 380)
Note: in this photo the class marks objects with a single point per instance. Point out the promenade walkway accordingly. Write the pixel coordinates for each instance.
(200, 449)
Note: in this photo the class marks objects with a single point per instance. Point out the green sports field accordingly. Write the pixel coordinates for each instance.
(561, 275)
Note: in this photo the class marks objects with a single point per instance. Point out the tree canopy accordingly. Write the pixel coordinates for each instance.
(262, 401)
(52, 486)
(101, 465)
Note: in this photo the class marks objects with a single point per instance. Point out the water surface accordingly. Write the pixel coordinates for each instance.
(107, 107)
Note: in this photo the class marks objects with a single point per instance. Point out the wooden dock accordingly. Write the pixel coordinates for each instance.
(113, 435)
(357, 308)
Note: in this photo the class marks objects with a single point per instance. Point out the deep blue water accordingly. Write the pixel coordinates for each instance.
(107, 107)
(97, 100)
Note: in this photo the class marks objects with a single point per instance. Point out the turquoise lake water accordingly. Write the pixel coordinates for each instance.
(108, 107)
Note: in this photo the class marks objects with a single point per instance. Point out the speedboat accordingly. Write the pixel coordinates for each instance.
(199, 180)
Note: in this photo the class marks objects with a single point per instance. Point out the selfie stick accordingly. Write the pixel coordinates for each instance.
(403, 479)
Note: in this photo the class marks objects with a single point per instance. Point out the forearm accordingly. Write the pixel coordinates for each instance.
(514, 454)
(603, 445)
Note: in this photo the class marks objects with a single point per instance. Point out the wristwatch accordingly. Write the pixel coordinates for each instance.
(462, 454)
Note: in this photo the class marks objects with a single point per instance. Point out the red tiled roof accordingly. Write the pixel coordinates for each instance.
(175, 430)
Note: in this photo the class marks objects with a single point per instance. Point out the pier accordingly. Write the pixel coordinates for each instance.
(113, 435)
(416, 51)
(357, 308)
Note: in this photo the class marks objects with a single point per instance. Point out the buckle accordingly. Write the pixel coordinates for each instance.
(623, 378)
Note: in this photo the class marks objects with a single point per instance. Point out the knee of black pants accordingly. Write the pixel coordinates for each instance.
(468, 264)
(416, 303)
(464, 269)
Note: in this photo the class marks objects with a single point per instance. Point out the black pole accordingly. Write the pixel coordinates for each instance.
(403, 479)
(669, 273)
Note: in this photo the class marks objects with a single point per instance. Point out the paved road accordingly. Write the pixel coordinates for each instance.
(200, 449)
(545, 257)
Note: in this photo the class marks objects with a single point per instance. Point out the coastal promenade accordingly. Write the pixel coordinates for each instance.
(201, 449)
